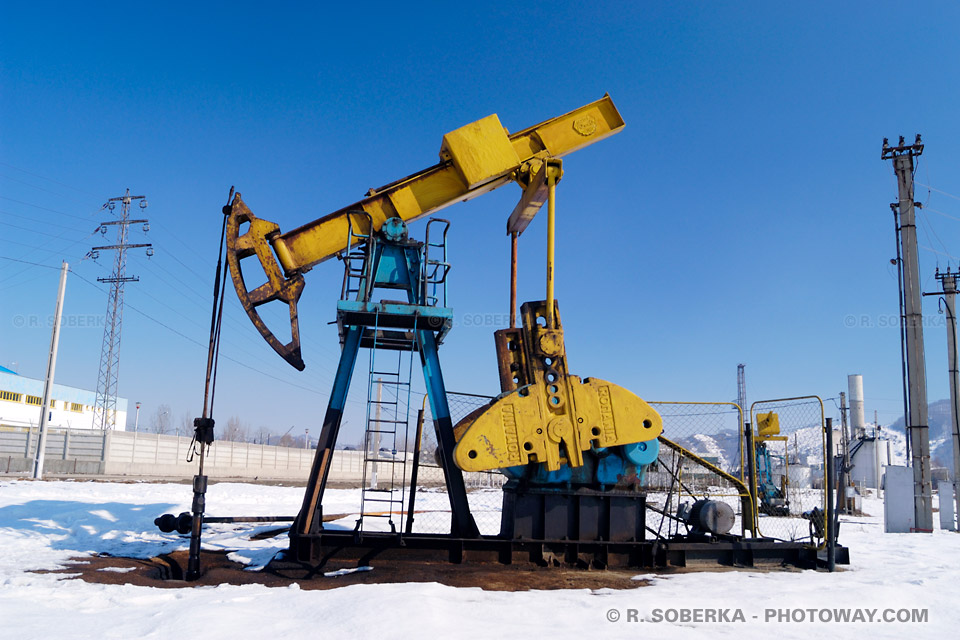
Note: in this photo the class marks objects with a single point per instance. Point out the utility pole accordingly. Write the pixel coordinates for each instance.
(51, 368)
(844, 503)
(949, 282)
(918, 427)
(105, 407)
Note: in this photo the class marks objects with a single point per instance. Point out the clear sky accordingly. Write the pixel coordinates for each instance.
(742, 215)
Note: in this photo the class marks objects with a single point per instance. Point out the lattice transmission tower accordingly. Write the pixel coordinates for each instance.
(105, 409)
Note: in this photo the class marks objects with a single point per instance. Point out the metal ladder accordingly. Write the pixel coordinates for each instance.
(435, 270)
(356, 257)
(383, 492)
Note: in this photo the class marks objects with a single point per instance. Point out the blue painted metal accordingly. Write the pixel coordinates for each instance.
(641, 453)
(394, 262)
(610, 467)
(348, 359)
(394, 230)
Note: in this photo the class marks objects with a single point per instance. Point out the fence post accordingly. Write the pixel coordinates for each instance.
(751, 475)
(829, 464)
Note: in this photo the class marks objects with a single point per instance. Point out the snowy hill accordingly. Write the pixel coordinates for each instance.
(941, 440)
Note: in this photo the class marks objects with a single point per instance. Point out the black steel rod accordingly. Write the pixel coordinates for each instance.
(415, 471)
(831, 467)
(751, 473)
(224, 519)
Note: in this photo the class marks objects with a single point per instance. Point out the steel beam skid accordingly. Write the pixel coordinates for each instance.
(311, 554)
(575, 527)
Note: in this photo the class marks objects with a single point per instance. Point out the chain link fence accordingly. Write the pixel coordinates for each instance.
(705, 461)
(703, 454)
(432, 510)
(790, 446)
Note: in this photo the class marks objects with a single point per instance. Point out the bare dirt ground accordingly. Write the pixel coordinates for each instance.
(167, 572)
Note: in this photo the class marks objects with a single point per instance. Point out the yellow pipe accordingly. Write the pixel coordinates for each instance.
(551, 227)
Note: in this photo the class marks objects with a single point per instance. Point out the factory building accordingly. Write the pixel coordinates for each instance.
(21, 399)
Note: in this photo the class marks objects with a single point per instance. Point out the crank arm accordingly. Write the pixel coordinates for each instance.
(257, 242)
(519, 427)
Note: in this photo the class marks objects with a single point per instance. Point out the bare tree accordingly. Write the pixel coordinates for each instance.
(161, 421)
(235, 431)
(186, 424)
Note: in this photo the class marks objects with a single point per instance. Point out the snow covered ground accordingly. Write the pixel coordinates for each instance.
(43, 524)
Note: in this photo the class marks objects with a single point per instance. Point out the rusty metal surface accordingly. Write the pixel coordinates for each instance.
(256, 243)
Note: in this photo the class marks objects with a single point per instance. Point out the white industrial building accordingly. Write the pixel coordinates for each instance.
(21, 399)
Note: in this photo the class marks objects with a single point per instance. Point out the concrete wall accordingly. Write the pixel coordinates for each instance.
(148, 455)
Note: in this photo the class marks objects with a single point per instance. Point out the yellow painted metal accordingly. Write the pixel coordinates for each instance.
(481, 151)
(823, 440)
(748, 520)
(768, 424)
(551, 241)
(475, 159)
(277, 288)
(532, 176)
(547, 415)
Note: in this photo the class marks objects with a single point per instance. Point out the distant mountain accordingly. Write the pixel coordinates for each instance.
(804, 446)
(941, 438)
(722, 447)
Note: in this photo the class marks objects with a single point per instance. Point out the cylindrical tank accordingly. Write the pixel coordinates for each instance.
(857, 420)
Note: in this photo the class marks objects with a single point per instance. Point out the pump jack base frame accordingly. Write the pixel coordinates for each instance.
(314, 554)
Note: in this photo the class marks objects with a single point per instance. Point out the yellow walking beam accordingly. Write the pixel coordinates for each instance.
(475, 159)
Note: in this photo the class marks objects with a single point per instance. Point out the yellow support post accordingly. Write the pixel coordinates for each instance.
(551, 228)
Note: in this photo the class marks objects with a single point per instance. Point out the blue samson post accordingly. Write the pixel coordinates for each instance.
(389, 260)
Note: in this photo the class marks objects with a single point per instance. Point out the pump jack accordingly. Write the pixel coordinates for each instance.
(574, 449)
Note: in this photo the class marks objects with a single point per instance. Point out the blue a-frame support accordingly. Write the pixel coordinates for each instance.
(393, 262)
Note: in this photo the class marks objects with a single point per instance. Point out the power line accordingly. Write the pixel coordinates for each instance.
(949, 195)
(37, 175)
(35, 264)
(29, 230)
(47, 222)
(36, 206)
(199, 344)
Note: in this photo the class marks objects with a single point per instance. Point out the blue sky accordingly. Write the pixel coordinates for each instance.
(741, 216)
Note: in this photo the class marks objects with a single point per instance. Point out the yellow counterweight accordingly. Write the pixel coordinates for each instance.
(545, 414)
